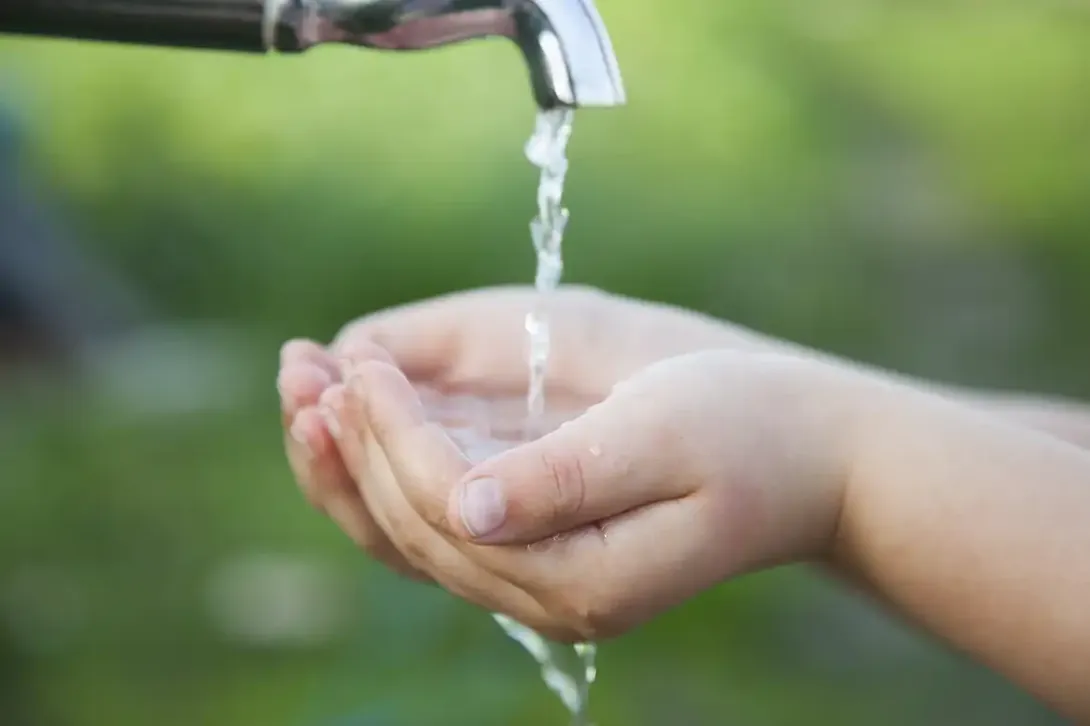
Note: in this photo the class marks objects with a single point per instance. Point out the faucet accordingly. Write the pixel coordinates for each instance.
(564, 42)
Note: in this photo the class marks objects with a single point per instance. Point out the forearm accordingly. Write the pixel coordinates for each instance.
(978, 530)
(1066, 420)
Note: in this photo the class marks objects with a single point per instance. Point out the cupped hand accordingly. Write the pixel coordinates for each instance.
(695, 469)
(474, 344)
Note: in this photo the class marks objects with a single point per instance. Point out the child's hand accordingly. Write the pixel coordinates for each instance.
(475, 343)
(712, 452)
(697, 468)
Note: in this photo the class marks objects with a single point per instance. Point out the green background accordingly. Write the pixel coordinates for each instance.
(904, 183)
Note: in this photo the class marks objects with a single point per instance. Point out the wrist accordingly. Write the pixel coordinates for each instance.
(808, 415)
(889, 412)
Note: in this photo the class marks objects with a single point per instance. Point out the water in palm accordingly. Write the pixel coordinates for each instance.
(567, 671)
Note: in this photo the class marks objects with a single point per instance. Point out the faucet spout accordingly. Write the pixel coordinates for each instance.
(570, 55)
(565, 44)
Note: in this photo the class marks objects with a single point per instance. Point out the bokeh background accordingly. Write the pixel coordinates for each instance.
(907, 183)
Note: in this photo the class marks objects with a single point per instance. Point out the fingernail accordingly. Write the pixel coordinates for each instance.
(332, 424)
(299, 436)
(355, 382)
(483, 506)
(328, 405)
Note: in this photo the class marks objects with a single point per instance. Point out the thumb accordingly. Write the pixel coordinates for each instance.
(620, 455)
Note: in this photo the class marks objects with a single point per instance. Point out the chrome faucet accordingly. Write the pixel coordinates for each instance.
(564, 42)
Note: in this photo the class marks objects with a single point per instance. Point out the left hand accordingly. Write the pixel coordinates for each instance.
(696, 469)
(472, 346)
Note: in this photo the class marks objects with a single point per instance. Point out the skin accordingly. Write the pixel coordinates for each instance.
(707, 452)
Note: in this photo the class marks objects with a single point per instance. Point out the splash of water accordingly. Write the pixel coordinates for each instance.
(569, 678)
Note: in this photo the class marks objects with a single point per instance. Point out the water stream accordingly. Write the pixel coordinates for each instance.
(568, 672)
(484, 428)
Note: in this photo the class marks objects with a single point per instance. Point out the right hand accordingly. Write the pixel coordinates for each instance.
(475, 343)
(694, 470)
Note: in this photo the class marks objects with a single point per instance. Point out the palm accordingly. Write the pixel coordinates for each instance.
(475, 343)
(467, 356)
(483, 425)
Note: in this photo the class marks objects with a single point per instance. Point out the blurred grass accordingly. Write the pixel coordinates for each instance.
(905, 183)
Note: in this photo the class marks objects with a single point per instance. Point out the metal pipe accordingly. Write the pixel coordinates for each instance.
(564, 42)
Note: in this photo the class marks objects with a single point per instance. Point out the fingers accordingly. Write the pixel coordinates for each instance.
(382, 423)
(347, 507)
(306, 372)
(426, 461)
(309, 373)
(474, 339)
(422, 337)
(301, 350)
(298, 353)
(620, 455)
(591, 582)
(544, 586)
(325, 481)
(359, 350)
(314, 460)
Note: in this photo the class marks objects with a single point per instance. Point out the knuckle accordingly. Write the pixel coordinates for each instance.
(415, 552)
(296, 350)
(407, 561)
(350, 332)
(377, 386)
(567, 491)
(362, 350)
(407, 546)
(376, 372)
(407, 540)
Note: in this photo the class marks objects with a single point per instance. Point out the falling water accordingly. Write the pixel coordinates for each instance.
(547, 150)
(567, 676)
